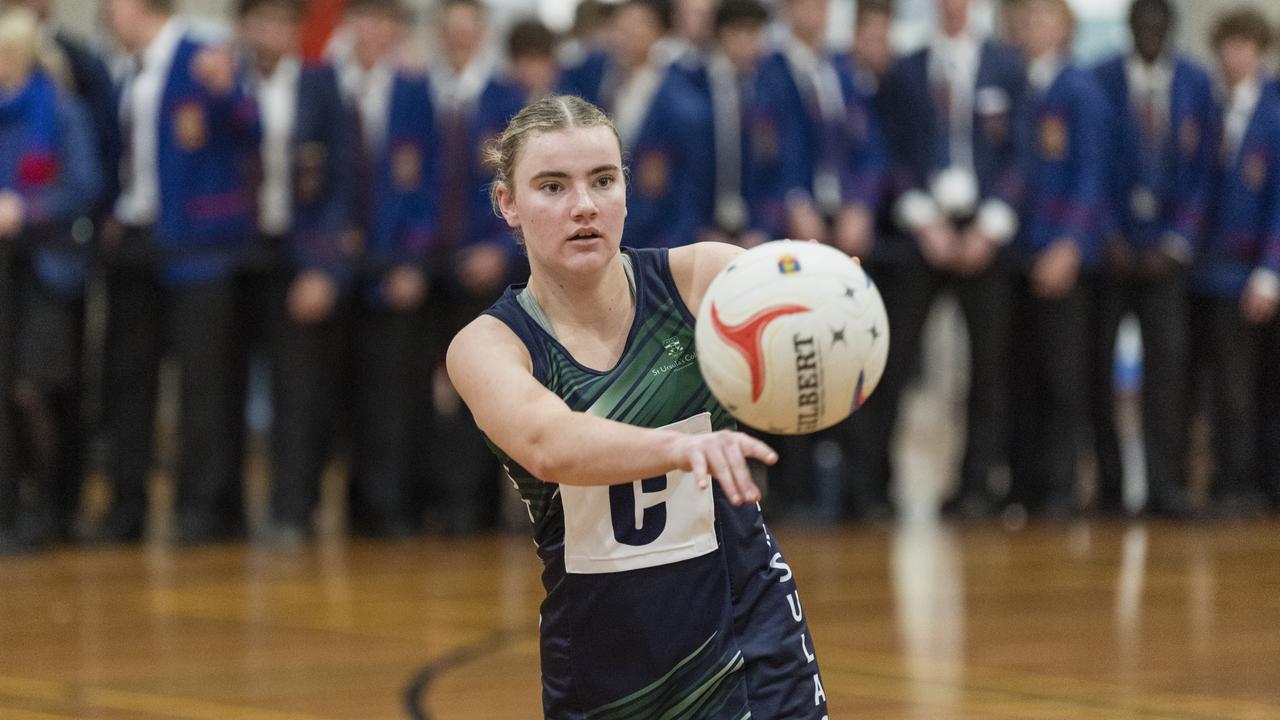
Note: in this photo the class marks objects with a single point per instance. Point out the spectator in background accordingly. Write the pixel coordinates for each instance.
(743, 139)
(1159, 169)
(949, 113)
(833, 154)
(182, 220)
(531, 53)
(475, 256)
(294, 290)
(661, 121)
(1057, 250)
(1235, 283)
(831, 164)
(85, 75)
(872, 51)
(48, 173)
(693, 33)
(1012, 23)
(393, 175)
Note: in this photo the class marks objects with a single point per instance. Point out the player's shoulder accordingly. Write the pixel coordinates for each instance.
(693, 267)
(486, 339)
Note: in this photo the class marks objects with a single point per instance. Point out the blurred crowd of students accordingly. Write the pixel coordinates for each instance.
(234, 202)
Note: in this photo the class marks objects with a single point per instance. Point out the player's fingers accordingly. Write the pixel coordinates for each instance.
(719, 465)
(754, 448)
(741, 473)
(698, 466)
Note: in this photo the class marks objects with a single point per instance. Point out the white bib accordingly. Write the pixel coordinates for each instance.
(642, 524)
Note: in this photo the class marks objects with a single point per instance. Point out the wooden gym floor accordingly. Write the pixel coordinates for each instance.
(922, 621)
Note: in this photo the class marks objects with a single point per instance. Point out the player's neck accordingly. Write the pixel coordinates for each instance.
(599, 302)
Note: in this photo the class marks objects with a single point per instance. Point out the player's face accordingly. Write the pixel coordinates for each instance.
(568, 198)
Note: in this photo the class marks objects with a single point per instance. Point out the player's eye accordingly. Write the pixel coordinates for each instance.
(605, 181)
(551, 187)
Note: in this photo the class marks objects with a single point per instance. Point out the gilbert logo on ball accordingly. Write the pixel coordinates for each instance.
(792, 337)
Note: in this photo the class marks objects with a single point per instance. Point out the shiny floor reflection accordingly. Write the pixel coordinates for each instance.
(923, 621)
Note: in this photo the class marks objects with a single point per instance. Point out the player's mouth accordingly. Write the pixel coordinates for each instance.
(586, 234)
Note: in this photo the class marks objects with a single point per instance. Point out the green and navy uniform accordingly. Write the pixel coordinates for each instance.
(663, 600)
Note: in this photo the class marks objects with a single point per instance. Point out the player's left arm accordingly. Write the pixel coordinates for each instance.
(693, 267)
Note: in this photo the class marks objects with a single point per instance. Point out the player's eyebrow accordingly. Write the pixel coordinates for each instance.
(562, 175)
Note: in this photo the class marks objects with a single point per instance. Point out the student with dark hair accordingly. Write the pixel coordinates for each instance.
(292, 288)
(1159, 169)
(744, 146)
(1235, 283)
(531, 54)
(48, 174)
(872, 51)
(395, 151)
(182, 220)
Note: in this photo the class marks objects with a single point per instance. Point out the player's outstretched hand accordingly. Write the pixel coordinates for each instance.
(723, 455)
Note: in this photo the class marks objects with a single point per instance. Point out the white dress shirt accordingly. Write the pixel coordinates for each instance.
(139, 201)
(1235, 122)
(278, 104)
(632, 100)
(726, 106)
(369, 93)
(455, 92)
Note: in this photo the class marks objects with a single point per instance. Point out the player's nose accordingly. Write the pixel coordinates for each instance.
(584, 206)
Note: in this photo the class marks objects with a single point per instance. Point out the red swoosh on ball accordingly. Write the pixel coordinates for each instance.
(745, 338)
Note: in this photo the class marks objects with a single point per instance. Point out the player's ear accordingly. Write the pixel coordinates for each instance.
(507, 205)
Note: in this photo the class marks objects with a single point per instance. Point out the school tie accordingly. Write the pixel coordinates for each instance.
(362, 168)
(456, 155)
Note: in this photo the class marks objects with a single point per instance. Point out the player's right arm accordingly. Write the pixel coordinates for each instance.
(491, 370)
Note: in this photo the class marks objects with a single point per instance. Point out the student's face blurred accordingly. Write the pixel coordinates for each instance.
(271, 31)
(1240, 59)
(871, 42)
(635, 31)
(742, 44)
(535, 73)
(127, 18)
(953, 16)
(565, 182)
(375, 34)
(1046, 29)
(462, 32)
(808, 20)
(695, 20)
(1150, 27)
(39, 7)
